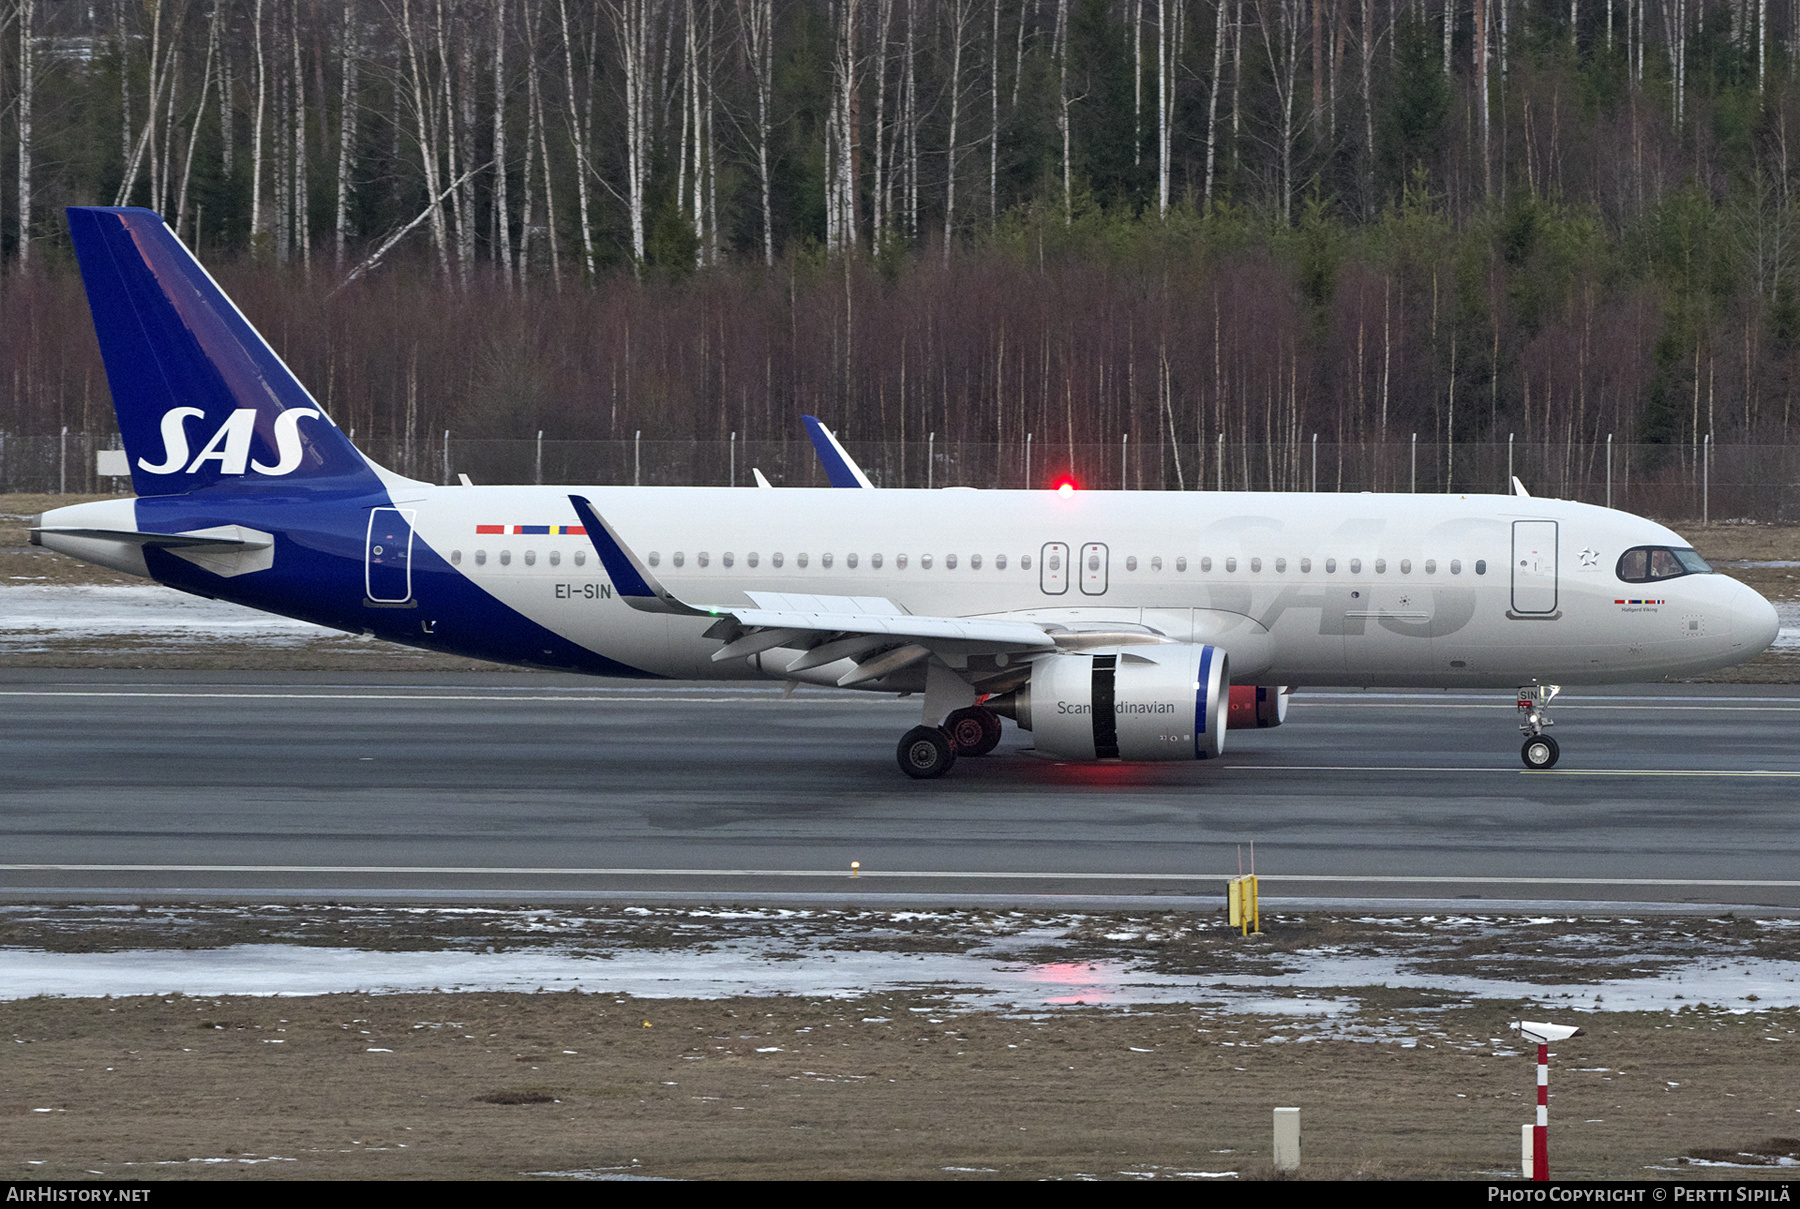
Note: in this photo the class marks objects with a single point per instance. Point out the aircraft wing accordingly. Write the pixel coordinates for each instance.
(880, 635)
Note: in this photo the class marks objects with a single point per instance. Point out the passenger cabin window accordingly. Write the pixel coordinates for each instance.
(751, 559)
(1406, 566)
(1306, 566)
(556, 558)
(703, 558)
(799, 560)
(481, 558)
(1156, 563)
(1331, 566)
(875, 561)
(999, 562)
(655, 559)
(1280, 565)
(1456, 566)
(925, 562)
(900, 562)
(456, 558)
(824, 560)
(949, 562)
(1024, 562)
(581, 558)
(679, 558)
(727, 558)
(1206, 563)
(1131, 562)
(531, 558)
(1481, 566)
(1356, 566)
(506, 558)
(1645, 564)
(974, 562)
(776, 558)
(850, 561)
(1431, 566)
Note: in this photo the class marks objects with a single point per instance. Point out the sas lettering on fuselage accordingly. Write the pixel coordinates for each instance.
(584, 591)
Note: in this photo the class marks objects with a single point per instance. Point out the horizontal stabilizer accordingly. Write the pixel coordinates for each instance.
(223, 537)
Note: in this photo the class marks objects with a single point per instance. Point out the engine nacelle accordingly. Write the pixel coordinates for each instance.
(1163, 702)
(1257, 706)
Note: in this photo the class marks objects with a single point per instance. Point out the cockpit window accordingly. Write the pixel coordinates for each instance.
(1646, 564)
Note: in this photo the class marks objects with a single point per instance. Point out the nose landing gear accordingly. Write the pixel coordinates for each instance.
(1539, 750)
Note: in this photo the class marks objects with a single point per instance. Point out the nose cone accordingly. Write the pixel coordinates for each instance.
(1754, 623)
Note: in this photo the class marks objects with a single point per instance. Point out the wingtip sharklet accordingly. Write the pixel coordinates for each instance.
(840, 467)
(631, 578)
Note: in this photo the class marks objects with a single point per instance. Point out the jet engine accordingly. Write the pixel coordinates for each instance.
(1165, 702)
(1257, 706)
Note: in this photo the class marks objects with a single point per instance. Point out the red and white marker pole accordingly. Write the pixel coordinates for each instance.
(1540, 1136)
(1543, 1035)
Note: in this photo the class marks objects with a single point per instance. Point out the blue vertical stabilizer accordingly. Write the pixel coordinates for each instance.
(203, 401)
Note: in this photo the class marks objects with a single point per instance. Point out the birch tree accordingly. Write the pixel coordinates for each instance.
(959, 30)
(27, 87)
(187, 166)
(1279, 22)
(501, 210)
(347, 114)
(1222, 23)
(841, 132)
(756, 22)
(422, 96)
(632, 21)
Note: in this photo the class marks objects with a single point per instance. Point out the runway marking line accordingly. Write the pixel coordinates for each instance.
(939, 874)
(766, 695)
(1522, 772)
(772, 699)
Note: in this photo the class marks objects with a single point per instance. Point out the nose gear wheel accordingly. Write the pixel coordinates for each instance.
(1540, 751)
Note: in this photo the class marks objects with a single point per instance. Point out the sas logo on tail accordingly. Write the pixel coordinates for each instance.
(230, 445)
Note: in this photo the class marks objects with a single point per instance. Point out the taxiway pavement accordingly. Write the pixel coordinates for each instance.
(543, 788)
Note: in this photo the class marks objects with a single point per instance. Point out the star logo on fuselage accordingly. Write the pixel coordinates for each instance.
(1590, 558)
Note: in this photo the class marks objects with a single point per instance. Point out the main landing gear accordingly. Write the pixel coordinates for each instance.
(1539, 750)
(973, 731)
(930, 751)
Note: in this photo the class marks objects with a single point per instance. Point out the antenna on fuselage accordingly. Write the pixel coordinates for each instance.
(1519, 488)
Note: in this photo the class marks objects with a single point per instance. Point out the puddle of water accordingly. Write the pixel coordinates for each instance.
(1316, 986)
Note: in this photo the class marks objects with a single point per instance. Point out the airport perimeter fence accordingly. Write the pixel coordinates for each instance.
(1688, 481)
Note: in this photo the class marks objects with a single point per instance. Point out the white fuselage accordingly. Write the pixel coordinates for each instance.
(1314, 589)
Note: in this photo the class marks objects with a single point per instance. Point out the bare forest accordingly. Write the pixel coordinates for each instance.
(1157, 224)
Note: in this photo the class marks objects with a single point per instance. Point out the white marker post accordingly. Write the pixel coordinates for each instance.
(1287, 1139)
(1543, 1035)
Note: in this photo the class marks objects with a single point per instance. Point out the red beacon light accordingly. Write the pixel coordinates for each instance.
(1065, 486)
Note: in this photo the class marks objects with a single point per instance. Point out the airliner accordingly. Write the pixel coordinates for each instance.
(1110, 625)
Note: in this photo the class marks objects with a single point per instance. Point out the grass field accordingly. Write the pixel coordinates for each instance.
(1400, 1081)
